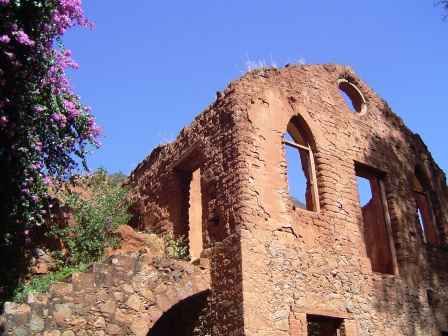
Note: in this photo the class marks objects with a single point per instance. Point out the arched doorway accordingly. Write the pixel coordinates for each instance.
(185, 318)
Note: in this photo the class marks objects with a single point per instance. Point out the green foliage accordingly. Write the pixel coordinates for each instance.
(99, 205)
(98, 213)
(176, 247)
(41, 284)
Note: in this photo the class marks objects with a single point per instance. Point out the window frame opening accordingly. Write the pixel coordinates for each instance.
(190, 235)
(195, 216)
(377, 229)
(425, 218)
(320, 325)
(300, 141)
(353, 95)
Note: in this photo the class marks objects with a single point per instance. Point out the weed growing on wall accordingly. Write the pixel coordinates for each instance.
(176, 247)
(42, 283)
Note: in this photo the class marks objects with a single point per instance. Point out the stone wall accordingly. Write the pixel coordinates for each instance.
(125, 295)
(296, 260)
(273, 264)
(162, 181)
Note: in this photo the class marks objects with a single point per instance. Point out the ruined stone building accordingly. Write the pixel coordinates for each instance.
(360, 250)
(308, 207)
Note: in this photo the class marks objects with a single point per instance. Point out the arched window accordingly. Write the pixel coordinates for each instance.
(300, 165)
(352, 96)
(424, 214)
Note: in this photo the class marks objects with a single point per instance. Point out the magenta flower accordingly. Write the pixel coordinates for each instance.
(55, 117)
(3, 121)
(29, 36)
(23, 38)
(69, 105)
(59, 118)
(72, 109)
(4, 38)
(39, 108)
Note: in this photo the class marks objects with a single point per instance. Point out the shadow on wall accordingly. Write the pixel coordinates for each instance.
(186, 318)
(16, 256)
(422, 268)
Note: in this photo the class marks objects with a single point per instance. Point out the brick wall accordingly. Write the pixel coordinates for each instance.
(270, 258)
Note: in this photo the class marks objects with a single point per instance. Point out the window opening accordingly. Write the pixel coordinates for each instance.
(421, 220)
(424, 214)
(187, 209)
(297, 180)
(377, 235)
(195, 216)
(365, 192)
(352, 96)
(325, 326)
(300, 168)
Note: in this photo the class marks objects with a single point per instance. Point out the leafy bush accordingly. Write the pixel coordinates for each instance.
(176, 247)
(99, 205)
(98, 210)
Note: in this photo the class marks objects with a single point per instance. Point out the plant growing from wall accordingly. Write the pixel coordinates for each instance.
(176, 247)
(42, 283)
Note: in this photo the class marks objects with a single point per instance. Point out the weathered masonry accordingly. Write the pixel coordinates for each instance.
(319, 211)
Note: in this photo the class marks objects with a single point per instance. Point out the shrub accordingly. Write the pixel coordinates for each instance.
(98, 211)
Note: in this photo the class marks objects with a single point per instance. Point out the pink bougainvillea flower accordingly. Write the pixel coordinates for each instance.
(72, 109)
(23, 38)
(39, 108)
(59, 118)
(61, 126)
(3, 121)
(4, 38)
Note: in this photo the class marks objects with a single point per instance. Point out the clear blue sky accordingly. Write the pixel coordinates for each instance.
(150, 66)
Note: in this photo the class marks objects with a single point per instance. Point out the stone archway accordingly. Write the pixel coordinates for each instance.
(185, 318)
(127, 294)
